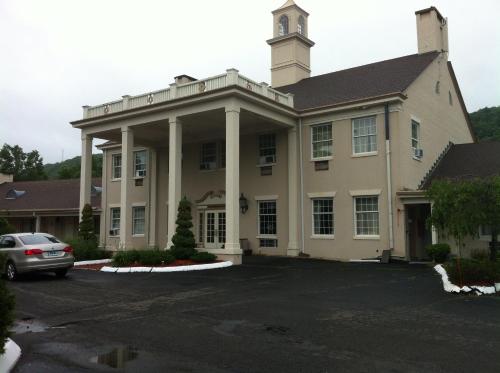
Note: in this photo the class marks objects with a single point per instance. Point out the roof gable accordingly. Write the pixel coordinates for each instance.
(369, 81)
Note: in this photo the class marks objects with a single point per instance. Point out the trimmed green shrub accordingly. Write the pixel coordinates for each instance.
(155, 257)
(86, 229)
(149, 257)
(125, 258)
(5, 227)
(203, 257)
(183, 240)
(438, 252)
(480, 254)
(6, 307)
(473, 272)
(87, 250)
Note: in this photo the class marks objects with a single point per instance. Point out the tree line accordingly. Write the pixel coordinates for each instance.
(29, 166)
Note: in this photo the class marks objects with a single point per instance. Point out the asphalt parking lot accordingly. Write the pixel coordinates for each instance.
(268, 315)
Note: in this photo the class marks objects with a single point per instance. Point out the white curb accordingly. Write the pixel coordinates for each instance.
(364, 260)
(88, 262)
(451, 288)
(194, 267)
(11, 356)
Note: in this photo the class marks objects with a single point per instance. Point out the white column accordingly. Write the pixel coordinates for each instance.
(104, 201)
(174, 174)
(38, 223)
(293, 202)
(85, 171)
(232, 245)
(152, 197)
(126, 177)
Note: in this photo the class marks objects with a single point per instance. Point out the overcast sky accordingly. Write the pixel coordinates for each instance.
(59, 55)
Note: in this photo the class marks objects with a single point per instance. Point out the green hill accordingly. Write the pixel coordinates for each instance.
(486, 123)
(70, 168)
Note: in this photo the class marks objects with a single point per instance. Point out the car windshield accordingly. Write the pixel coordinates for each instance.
(37, 239)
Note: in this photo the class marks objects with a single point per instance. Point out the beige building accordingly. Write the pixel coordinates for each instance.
(319, 165)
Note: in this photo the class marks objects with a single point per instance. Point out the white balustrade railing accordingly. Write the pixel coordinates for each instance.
(232, 77)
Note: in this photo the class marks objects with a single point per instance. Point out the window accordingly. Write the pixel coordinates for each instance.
(140, 163)
(208, 156)
(268, 242)
(485, 232)
(450, 98)
(138, 220)
(301, 26)
(222, 154)
(115, 221)
(322, 142)
(267, 149)
(116, 161)
(283, 26)
(364, 135)
(267, 218)
(366, 216)
(415, 134)
(438, 87)
(322, 214)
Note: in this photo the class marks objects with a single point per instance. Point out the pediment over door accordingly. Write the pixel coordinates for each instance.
(212, 198)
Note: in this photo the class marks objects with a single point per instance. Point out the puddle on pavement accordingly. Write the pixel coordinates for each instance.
(28, 325)
(116, 358)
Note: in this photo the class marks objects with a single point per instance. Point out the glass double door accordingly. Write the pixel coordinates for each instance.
(215, 228)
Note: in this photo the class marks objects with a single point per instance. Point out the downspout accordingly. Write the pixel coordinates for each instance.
(301, 170)
(389, 177)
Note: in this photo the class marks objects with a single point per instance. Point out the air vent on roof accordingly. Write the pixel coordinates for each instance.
(14, 194)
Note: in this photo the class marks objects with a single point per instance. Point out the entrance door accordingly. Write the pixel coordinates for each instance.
(215, 228)
(418, 234)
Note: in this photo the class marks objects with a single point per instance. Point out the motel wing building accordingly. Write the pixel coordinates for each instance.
(321, 165)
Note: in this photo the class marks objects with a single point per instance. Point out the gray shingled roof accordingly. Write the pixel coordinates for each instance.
(359, 83)
(467, 161)
(46, 195)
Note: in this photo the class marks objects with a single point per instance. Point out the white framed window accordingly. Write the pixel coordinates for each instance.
(301, 26)
(208, 159)
(138, 220)
(364, 135)
(283, 25)
(366, 216)
(267, 149)
(267, 218)
(415, 139)
(114, 213)
(321, 141)
(116, 166)
(485, 233)
(222, 154)
(323, 216)
(140, 163)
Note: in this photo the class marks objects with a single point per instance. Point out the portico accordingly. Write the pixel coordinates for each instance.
(171, 132)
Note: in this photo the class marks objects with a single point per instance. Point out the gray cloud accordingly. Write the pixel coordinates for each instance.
(60, 55)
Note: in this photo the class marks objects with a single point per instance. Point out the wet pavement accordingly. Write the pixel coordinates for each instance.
(268, 315)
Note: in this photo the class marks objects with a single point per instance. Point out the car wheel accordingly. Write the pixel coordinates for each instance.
(61, 273)
(11, 271)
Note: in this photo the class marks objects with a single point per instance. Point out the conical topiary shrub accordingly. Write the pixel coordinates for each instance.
(86, 229)
(183, 240)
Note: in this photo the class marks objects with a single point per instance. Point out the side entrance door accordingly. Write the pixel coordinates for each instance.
(215, 228)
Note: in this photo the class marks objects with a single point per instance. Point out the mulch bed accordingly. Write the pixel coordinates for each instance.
(178, 262)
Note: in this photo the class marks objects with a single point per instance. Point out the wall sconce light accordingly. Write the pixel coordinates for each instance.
(243, 204)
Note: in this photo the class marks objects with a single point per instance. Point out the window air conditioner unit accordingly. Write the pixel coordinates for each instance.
(419, 153)
(114, 231)
(268, 159)
(140, 173)
(209, 165)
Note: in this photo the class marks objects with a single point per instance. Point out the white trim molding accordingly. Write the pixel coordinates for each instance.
(365, 192)
(331, 194)
(266, 198)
